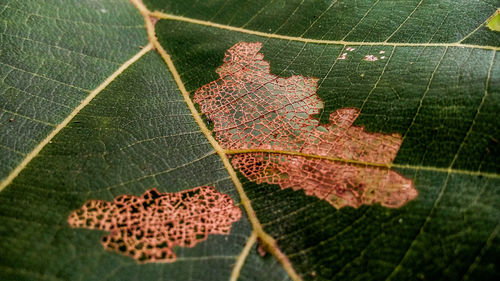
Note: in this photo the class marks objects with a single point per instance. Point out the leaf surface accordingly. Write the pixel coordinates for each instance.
(254, 110)
(438, 87)
(51, 57)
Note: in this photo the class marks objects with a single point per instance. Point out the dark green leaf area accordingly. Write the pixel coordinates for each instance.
(450, 231)
(136, 134)
(369, 21)
(444, 101)
(51, 57)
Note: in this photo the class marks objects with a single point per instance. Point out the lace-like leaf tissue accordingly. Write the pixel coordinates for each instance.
(147, 227)
(253, 109)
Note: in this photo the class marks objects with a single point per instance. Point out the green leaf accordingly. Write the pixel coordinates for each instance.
(88, 111)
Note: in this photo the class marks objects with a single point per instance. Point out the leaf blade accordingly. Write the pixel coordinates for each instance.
(44, 69)
(291, 58)
(346, 248)
(410, 21)
(104, 153)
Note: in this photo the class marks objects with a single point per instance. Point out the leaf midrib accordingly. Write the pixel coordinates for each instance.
(267, 241)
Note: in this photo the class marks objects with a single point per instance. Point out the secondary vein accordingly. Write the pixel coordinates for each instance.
(68, 119)
(166, 16)
(267, 241)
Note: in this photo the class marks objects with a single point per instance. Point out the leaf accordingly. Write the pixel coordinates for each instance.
(254, 110)
(52, 56)
(95, 116)
(134, 134)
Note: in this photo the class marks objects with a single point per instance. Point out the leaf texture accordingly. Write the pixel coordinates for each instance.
(252, 109)
(51, 58)
(424, 93)
(118, 144)
(148, 227)
(437, 87)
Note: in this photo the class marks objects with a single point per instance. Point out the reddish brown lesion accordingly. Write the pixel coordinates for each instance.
(340, 184)
(253, 109)
(147, 227)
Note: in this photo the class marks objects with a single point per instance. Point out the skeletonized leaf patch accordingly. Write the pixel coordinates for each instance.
(147, 227)
(271, 118)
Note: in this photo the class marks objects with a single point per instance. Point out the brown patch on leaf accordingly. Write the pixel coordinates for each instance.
(253, 109)
(147, 227)
(340, 184)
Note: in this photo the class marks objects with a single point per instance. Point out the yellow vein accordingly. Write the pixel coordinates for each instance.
(245, 201)
(12, 150)
(161, 15)
(258, 13)
(421, 230)
(28, 117)
(366, 164)
(427, 89)
(488, 244)
(361, 19)
(242, 257)
(485, 96)
(289, 17)
(296, 153)
(268, 242)
(481, 25)
(403, 23)
(44, 77)
(319, 17)
(66, 121)
(378, 80)
(150, 29)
